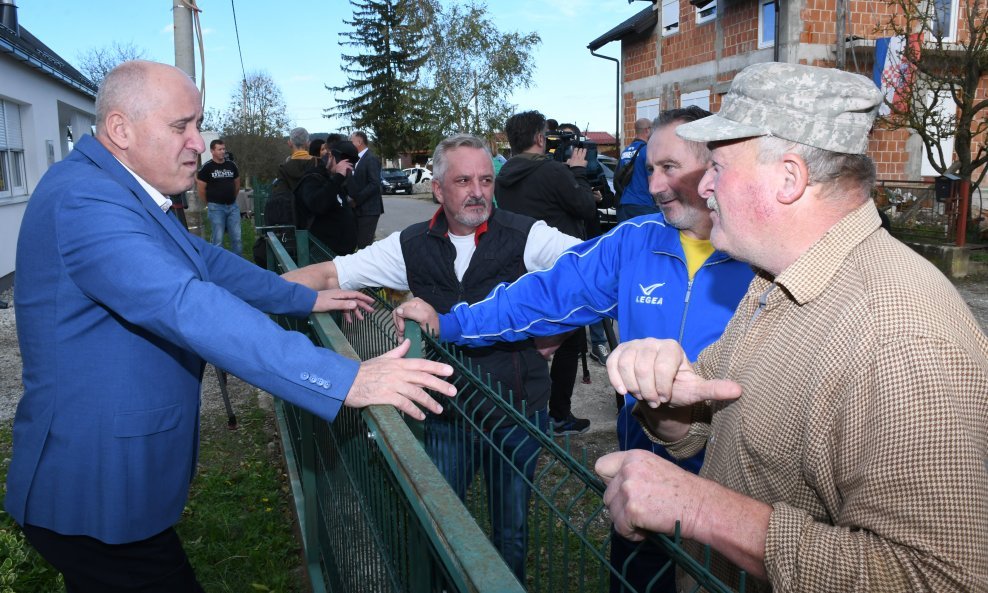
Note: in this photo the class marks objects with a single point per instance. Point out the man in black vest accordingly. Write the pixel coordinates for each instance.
(461, 254)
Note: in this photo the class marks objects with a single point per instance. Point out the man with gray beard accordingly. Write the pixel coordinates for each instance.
(462, 253)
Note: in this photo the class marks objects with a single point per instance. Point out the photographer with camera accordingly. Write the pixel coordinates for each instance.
(321, 202)
(536, 184)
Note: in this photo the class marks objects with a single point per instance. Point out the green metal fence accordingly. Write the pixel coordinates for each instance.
(377, 515)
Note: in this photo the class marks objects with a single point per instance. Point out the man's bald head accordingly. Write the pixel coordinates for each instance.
(148, 118)
(643, 128)
(125, 89)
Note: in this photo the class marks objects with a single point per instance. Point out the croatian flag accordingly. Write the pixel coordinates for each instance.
(893, 73)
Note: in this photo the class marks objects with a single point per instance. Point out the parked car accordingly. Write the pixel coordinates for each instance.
(608, 216)
(418, 174)
(395, 181)
(608, 161)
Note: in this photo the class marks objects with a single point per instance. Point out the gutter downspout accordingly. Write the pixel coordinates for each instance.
(617, 97)
(778, 31)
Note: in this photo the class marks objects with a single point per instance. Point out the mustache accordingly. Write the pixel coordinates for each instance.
(475, 202)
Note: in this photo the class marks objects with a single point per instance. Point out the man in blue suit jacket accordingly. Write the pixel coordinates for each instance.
(118, 308)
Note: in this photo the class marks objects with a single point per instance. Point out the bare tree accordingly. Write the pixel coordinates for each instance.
(95, 63)
(254, 126)
(939, 99)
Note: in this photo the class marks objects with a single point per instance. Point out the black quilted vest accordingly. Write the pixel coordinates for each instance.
(429, 257)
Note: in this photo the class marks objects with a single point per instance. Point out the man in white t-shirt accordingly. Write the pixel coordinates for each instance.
(461, 254)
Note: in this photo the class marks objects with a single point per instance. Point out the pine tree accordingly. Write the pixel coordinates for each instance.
(382, 80)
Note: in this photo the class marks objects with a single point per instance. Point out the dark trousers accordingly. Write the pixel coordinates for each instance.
(563, 374)
(507, 456)
(366, 227)
(154, 565)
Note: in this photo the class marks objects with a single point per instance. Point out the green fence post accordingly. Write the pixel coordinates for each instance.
(259, 198)
(302, 248)
(310, 516)
(413, 332)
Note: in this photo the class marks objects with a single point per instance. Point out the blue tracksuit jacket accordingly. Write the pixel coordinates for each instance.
(635, 273)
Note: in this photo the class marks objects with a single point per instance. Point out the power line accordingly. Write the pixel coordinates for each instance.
(237, 31)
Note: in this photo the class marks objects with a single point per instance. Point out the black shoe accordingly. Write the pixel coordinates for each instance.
(570, 425)
(600, 352)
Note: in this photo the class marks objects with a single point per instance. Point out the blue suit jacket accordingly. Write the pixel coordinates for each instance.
(118, 306)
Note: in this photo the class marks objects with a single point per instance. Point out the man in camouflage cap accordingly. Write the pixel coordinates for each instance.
(844, 407)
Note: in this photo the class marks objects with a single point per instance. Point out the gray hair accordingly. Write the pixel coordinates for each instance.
(299, 137)
(439, 160)
(847, 172)
(121, 91)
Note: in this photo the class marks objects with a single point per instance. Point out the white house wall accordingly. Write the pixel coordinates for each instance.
(46, 107)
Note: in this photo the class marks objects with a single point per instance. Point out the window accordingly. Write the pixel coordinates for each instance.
(12, 173)
(706, 11)
(946, 111)
(670, 17)
(943, 24)
(766, 23)
(699, 98)
(649, 109)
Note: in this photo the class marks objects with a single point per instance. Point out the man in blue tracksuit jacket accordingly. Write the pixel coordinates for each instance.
(657, 275)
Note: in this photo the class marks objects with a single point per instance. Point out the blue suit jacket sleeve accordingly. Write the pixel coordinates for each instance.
(115, 261)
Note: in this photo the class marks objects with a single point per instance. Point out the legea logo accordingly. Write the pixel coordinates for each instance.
(646, 296)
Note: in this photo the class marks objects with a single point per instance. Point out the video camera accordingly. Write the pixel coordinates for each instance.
(560, 144)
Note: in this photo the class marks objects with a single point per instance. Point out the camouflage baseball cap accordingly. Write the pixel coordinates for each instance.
(819, 107)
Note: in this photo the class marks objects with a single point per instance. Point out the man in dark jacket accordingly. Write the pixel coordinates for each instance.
(321, 202)
(535, 184)
(365, 190)
(294, 167)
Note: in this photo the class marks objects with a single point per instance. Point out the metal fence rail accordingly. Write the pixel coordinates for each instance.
(375, 513)
(368, 458)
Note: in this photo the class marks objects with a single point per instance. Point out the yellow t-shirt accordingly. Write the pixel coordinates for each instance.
(697, 251)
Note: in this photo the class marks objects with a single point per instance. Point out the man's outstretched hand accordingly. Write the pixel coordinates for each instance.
(353, 303)
(400, 382)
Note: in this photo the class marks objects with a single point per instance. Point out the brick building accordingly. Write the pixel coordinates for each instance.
(686, 52)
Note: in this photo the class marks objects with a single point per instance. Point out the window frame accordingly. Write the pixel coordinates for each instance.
(762, 30)
(649, 108)
(951, 35)
(699, 98)
(947, 108)
(710, 10)
(13, 164)
(673, 28)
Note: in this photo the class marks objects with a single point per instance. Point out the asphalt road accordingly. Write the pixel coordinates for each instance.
(401, 211)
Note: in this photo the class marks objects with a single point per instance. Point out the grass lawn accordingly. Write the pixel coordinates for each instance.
(238, 525)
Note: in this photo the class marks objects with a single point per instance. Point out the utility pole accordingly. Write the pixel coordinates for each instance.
(185, 58)
(841, 35)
